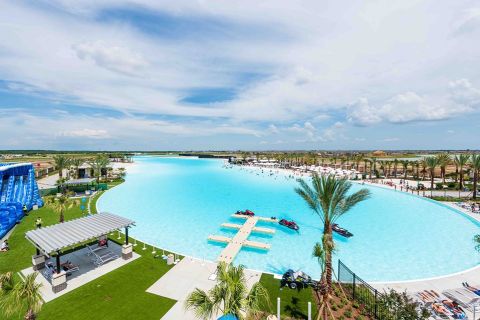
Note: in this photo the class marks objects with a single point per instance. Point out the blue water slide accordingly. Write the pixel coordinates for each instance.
(20, 190)
(9, 189)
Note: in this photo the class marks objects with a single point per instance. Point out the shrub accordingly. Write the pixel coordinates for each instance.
(334, 307)
(348, 313)
(355, 305)
(341, 318)
(359, 318)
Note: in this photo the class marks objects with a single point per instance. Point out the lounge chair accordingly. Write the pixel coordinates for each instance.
(463, 297)
(94, 248)
(99, 260)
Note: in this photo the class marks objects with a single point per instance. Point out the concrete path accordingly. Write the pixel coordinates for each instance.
(181, 280)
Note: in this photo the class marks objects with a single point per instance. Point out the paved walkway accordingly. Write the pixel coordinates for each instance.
(88, 271)
(183, 278)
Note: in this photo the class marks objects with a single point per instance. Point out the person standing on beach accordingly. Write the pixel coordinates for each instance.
(38, 223)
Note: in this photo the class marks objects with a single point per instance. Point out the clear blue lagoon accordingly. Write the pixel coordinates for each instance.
(178, 202)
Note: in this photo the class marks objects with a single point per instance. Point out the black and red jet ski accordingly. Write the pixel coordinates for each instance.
(341, 231)
(245, 213)
(289, 224)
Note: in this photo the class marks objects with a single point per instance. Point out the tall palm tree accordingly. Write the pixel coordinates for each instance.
(76, 163)
(443, 162)
(405, 168)
(229, 296)
(61, 204)
(431, 164)
(395, 166)
(373, 162)
(328, 197)
(98, 164)
(16, 296)
(61, 162)
(475, 163)
(460, 162)
(423, 164)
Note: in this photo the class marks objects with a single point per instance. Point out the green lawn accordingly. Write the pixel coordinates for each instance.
(294, 303)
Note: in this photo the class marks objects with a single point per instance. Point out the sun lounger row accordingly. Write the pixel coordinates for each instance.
(102, 258)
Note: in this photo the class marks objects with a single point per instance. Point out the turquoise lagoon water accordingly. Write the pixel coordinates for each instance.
(178, 202)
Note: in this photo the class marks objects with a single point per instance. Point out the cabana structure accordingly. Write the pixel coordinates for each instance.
(53, 240)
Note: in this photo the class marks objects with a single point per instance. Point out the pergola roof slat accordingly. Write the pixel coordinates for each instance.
(63, 235)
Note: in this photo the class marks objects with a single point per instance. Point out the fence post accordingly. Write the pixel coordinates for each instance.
(354, 285)
(309, 310)
(278, 308)
(376, 306)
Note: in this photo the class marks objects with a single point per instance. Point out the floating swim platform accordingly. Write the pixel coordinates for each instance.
(239, 240)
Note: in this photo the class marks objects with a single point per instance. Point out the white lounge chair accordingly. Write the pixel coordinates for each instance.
(99, 260)
(462, 296)
(94, 248)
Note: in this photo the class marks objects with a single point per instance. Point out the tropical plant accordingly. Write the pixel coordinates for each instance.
(98, 164)
(395, 166)
(401, 306)
(460, 162)
(328, 197)
(17, 295)
(443, 161)
(76, 163)
(229, 296)
(431, 163)
(61, 162)
(61, 204)
(475, 163)
(405, 164)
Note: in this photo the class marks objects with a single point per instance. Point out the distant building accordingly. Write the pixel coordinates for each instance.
(379, 153)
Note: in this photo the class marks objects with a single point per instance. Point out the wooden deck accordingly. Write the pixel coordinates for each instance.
(236, 243)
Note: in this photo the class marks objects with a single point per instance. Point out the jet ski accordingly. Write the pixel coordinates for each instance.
(245, 213)
(289, 224)
(341, 231)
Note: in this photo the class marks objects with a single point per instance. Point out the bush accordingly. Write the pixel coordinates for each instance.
(348, 313)
(359, 318)
(355, 305)
(334, 307)
(341, 318)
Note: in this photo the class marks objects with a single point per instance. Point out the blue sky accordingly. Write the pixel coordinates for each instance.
(190, 75)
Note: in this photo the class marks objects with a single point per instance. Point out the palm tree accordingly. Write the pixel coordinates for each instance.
(405, 168)
(21, 295)
(476, 168)
(423, 163)
(329, 199)
(98, 164)
(395, 165)
(460, 162)
(229, 296)
(76, 163)
(61, 162)
(61, 204)
(431, 164)
(443, 162)
(373, 162)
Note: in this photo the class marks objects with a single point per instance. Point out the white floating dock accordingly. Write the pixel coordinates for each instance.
(240, 239)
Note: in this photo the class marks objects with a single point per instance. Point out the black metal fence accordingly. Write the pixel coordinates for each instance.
(360, 291)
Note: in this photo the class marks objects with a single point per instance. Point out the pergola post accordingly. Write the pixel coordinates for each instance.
(127, 248)
(58, 261)
(59, 279)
